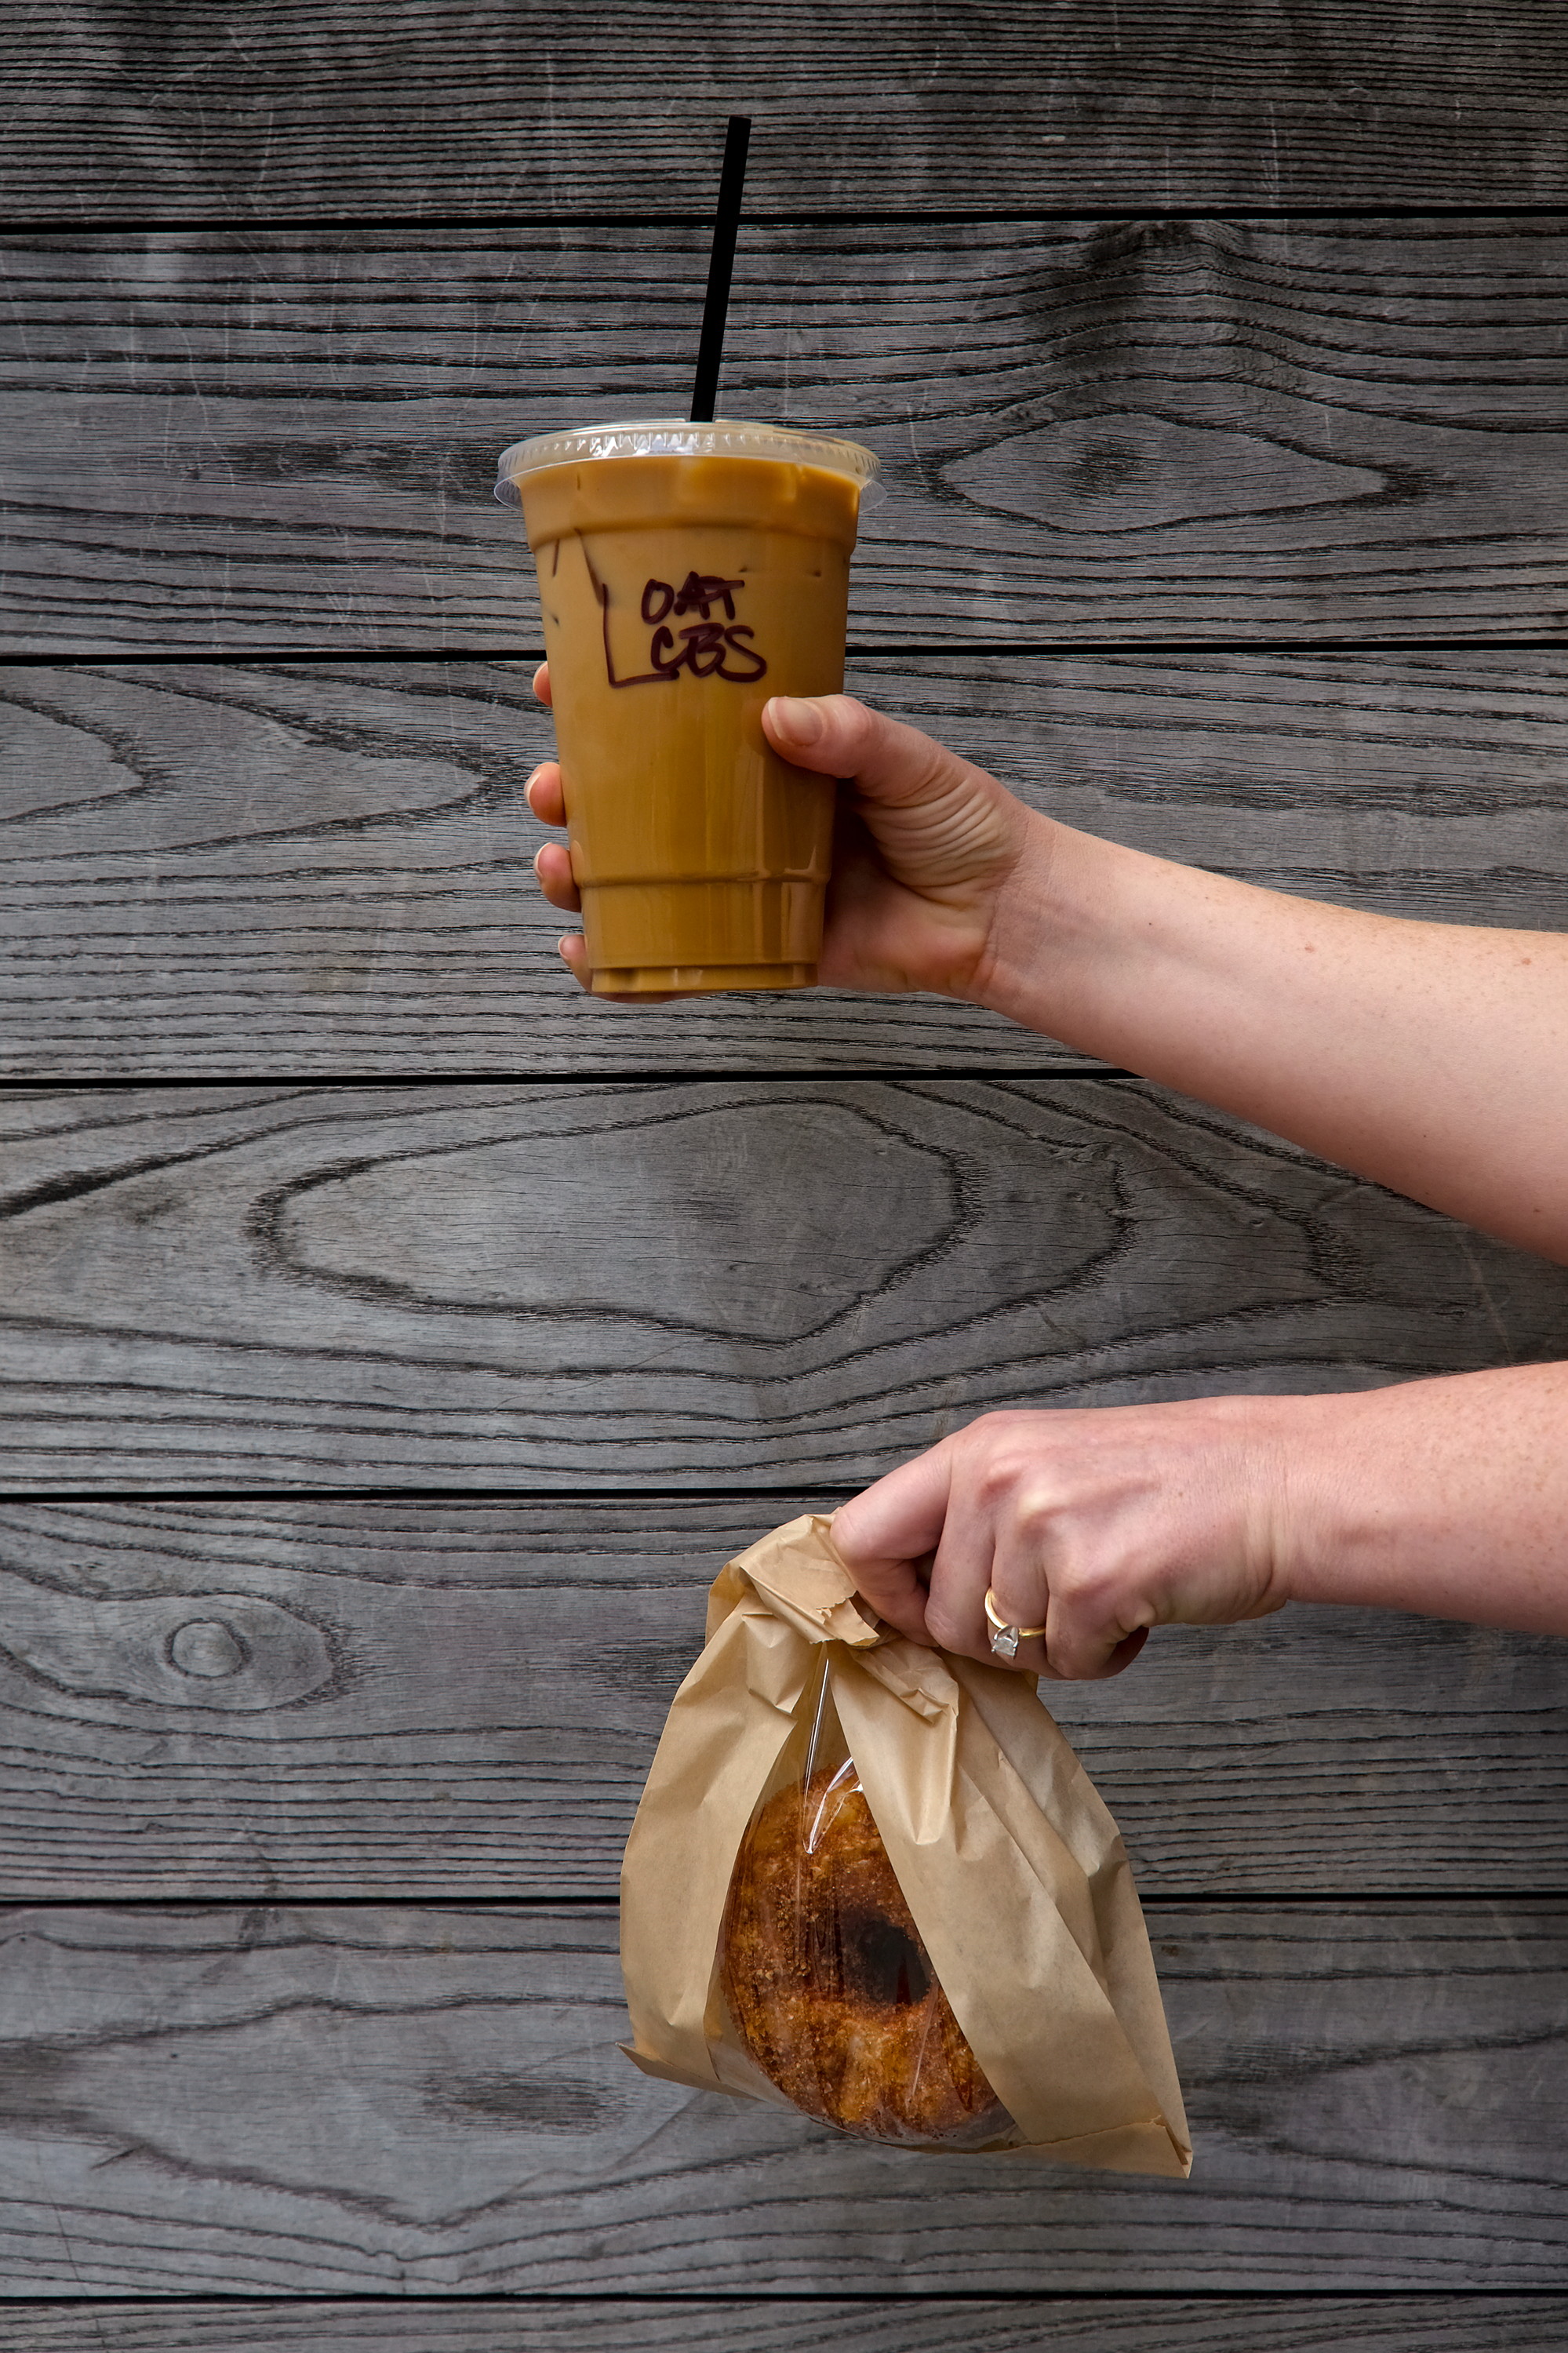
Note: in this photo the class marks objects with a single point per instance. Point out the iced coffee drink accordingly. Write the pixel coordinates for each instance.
(686, 574)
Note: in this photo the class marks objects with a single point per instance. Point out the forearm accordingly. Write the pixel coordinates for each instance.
(1449, 1497)
(1444, 1497)
(1433, 1058)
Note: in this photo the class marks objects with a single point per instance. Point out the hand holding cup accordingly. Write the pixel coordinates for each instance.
(927, 849)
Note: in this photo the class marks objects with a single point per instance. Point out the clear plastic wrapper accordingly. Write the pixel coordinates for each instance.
(830, 1990)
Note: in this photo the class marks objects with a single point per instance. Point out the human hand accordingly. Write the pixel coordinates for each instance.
(927, 849)
(1096, 1526)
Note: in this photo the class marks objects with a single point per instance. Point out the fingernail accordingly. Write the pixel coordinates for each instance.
(533, 780)
(800, 720)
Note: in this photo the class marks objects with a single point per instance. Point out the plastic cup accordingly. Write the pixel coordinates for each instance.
(687, 573)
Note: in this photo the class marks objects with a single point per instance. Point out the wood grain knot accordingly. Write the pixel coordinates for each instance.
(230, 1651)
(207, 1647)
(1135, 471)
(743, 1219)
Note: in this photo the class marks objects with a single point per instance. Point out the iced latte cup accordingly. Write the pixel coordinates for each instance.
(686, 574)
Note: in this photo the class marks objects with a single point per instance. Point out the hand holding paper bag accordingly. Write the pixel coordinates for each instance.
(1028, 1938)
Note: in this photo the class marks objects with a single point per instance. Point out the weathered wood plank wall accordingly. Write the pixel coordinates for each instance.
(212, 868)
(482, 110)
(1130, 430)
(433, 2098)
(1214, 356)
(735, 1283)
(431, 1699)
(1107, 2323)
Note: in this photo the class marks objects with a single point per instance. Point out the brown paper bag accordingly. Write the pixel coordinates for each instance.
(1013, 1869)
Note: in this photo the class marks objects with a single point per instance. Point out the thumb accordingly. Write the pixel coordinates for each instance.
(836, 736)
(884, 1533)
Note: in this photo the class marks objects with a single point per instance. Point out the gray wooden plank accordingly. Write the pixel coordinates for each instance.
(209, 868)
(434, 1699)
(282, 2098)
(1138, 429)
(1107, 2324)
(728, 1281)
(1320, 101)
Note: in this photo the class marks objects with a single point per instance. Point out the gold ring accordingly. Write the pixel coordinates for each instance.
(1005, 1638)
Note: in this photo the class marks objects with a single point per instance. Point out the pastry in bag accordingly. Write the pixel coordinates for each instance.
(872, 1882)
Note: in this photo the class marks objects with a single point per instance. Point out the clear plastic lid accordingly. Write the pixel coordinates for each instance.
(677, 437)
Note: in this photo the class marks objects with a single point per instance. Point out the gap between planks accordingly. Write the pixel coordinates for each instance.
(284, 224)
(745, 2300)
(273, 1898)
(941, 650)
(696, 1075)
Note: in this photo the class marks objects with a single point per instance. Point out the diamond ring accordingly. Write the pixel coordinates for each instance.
(1005, 1638)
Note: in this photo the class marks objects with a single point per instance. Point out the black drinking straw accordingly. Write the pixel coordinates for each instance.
(721, 264)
